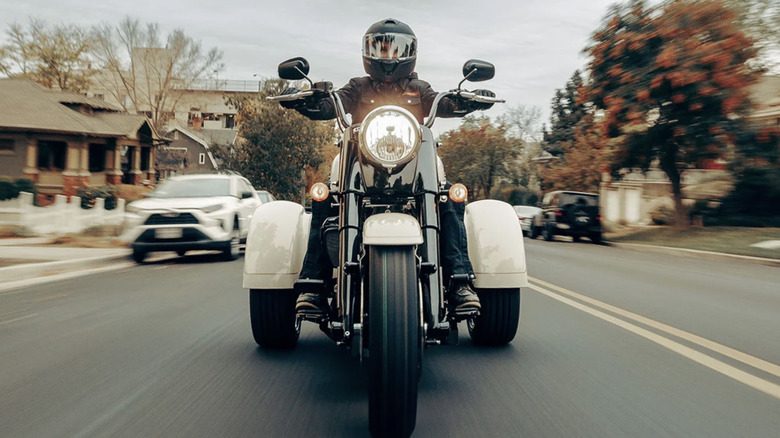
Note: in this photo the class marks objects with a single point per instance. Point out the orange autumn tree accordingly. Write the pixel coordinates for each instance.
(673, 82)
(582, 161)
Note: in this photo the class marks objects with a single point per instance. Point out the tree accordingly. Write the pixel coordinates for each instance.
(55, 57)
(761, 20)
(672, 80)
(139, 65)
(567, 111)
(478, 154)
(582, 162)
(276, 144)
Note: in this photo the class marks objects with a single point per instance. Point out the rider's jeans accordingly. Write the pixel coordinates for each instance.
(452, 242)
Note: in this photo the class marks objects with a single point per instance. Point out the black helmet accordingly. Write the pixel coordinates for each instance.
(389, 50)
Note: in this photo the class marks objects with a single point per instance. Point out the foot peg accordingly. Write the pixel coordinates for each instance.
(313, 315)
(457, 315)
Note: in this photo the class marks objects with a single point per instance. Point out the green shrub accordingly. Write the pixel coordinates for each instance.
(8, 189)
(89, 194)
(26, 185)
(662, 215)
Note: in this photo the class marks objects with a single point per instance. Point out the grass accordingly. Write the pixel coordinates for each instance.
(730, 240)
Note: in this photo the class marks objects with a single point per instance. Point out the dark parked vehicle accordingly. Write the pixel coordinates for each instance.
(566, 213)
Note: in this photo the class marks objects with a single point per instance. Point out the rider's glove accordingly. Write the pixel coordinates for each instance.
(290, 104)
(473, 105)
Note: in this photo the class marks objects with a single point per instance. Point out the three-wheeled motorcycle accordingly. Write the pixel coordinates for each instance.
(388, 295)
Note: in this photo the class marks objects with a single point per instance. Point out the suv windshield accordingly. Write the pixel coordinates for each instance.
(192, 188)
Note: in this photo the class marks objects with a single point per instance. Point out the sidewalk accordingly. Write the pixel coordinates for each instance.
(25, 259)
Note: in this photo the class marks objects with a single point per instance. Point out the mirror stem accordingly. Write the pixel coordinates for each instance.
(311, 84)
(465, 78)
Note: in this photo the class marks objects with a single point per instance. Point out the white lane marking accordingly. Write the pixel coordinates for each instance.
(18, 319)
(745, 358)
(701, 358)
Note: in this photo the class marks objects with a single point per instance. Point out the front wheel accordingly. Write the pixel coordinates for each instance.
(395, 341)
(498, 318)
(547, 233)
(272, 313)
(233, 247)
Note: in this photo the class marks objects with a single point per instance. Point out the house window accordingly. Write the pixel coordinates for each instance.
(51, 155)
(145, 152)
(230, 121)
(175, 135)
(6, 146)
(201, 158)
(97, 157)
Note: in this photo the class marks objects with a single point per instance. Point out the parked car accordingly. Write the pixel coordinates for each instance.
(568, 213)
(525, 214)
(192, 212)
(265, 196)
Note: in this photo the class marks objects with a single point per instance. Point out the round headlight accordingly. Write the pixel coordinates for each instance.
(389, 136)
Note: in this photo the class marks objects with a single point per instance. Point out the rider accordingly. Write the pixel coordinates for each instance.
(389, 56)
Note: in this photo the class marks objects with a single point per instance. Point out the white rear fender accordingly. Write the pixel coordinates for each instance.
(276, 245)
(496, 247)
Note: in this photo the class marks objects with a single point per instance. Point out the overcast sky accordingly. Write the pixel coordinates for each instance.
(535, 44)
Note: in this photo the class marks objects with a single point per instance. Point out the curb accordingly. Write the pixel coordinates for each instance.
(28, 270)
(697, 253)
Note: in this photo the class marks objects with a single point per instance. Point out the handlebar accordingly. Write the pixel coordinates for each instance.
(344, 124)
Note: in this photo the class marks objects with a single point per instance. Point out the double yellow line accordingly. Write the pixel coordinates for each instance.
(592, 306)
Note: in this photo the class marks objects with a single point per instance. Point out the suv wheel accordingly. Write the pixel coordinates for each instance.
(595, 238)
(548, 232)
(534, 232)
(139, 255)
(232, 251)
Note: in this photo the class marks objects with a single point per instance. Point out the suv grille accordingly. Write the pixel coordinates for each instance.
(181, 218)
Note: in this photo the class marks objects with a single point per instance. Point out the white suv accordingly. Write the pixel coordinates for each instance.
(192, 212)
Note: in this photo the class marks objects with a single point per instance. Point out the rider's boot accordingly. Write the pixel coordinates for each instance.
(462, 301)
(312, 298)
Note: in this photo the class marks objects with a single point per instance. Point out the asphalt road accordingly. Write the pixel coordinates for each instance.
(165, 350)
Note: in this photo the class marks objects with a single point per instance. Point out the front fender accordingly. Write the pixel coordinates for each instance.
(496, 247)
(391, 229)
(276, 245)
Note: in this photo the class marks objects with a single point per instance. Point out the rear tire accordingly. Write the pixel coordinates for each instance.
(272, 313)
(498, 319)
(395, 341)
(595, 238)
(139, 256)
(534, 233)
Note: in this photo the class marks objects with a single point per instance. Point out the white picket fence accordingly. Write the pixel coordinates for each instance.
(61, 217)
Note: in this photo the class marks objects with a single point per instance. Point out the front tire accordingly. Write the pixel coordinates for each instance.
(139, 256)
(498, 318)
(548, 233)
(395, 341)
(272, 313)
(233, 248)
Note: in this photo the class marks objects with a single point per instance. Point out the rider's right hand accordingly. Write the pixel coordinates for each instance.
(291, 104)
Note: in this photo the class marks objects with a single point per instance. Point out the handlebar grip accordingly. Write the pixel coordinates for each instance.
(289, 97)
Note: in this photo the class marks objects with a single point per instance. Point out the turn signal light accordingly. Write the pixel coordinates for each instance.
(458, 192)
(319, 191)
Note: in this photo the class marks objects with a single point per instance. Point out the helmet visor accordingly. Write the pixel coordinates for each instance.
(389, 46)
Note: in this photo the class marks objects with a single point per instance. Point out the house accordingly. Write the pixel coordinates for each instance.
(64, 140)
(192, 150)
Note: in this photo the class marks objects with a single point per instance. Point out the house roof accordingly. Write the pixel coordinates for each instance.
(25, 105)
(197, 139)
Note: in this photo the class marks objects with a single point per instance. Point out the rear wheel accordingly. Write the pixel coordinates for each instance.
(395, 341)
(272, 313)
(534, 232)
(595, 238)
(498, 318)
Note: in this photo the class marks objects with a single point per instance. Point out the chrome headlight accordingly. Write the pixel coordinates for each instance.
(389, 136)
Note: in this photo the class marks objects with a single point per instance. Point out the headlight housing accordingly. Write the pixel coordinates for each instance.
(389, 136)
(132, 209)
(211, 208)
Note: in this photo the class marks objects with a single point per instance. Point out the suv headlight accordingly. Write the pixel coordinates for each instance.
(132, 209)
(389, 136)
(211, 208)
